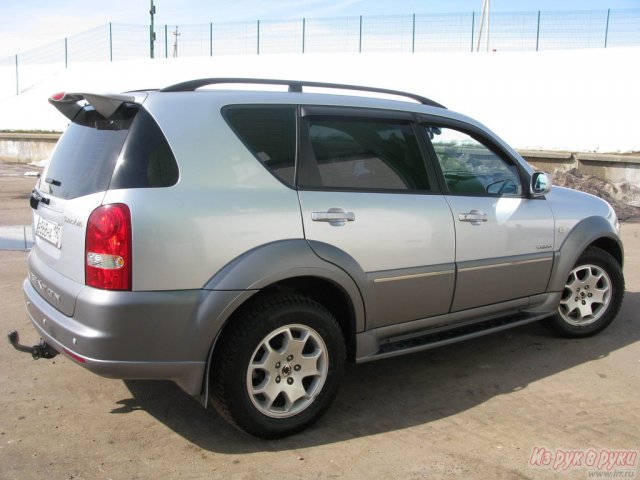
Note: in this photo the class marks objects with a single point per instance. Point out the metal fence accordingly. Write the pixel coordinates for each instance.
(413, 33)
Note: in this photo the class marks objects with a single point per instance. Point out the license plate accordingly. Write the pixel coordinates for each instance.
(49, 231)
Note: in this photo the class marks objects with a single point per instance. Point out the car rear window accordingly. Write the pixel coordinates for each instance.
(129, 142)
(84, 158)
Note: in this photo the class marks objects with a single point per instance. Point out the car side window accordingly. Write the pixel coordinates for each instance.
(270, 134)
(470, 167)
(147, 160)
(362, 154)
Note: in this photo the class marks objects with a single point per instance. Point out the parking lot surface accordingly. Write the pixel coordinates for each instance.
(494, 407)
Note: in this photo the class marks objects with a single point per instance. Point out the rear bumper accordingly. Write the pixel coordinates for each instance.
(135, 335)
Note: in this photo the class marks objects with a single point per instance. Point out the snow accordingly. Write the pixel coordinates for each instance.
(579, 100)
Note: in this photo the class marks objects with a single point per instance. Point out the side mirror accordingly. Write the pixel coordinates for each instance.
(540, 184)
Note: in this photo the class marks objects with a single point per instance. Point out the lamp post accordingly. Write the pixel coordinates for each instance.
(484, 20)
(152, 34)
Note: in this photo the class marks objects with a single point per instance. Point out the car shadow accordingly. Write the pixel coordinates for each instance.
(401, 392)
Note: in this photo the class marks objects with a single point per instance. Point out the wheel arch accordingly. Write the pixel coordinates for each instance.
(593, 231)
(327, 293)
(609, 245)
(289, 266)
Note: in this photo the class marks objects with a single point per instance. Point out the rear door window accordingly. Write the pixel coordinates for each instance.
(362, 154)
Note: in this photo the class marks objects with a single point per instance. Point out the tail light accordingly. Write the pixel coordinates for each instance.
(108, 248)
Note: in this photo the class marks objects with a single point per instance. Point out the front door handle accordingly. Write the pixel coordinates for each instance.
(334, 216)
(475, 217)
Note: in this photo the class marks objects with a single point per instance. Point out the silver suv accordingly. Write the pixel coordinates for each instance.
(246, 243)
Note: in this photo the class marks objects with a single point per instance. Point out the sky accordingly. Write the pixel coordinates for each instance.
(27, 24)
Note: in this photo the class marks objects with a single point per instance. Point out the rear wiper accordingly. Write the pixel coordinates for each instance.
(55, 183)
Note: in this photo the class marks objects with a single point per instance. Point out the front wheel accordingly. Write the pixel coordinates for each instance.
(277, 366)
(591, 297)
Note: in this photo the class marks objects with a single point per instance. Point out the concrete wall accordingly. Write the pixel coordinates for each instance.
(35, 147)
(611, 167)
(614, 168)
(26, 147)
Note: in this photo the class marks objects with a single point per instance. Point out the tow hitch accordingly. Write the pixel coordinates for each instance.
(41, 350)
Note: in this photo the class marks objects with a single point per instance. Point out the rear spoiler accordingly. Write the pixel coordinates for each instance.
(105, 104)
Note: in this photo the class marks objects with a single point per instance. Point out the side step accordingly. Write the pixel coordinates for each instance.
(441, 337)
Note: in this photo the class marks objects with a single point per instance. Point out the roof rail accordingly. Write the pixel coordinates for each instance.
(294, 86)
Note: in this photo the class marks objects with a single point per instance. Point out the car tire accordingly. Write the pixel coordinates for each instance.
(592, 295)
(277, 366)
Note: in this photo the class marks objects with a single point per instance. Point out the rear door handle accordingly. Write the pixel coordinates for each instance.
(475, 217)
(334, 216)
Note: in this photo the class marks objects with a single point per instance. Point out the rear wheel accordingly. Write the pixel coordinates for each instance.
(277, 366)
(591, 297)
